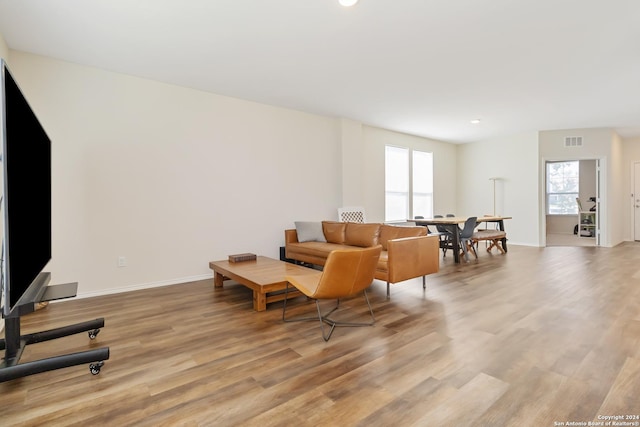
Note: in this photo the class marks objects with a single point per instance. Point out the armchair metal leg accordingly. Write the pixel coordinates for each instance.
(333, 323)
(424, 282)
(388, 290)
(284, 309)
(324, 318)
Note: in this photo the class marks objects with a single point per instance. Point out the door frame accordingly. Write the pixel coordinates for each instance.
(632, 198)
(601, 198)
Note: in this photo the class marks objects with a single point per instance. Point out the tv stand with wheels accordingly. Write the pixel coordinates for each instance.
(15, 343)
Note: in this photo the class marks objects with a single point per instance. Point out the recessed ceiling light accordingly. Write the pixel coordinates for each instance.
(347, 3)
(475, 121)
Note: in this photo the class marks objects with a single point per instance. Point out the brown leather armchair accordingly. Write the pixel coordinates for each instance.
(346, 272)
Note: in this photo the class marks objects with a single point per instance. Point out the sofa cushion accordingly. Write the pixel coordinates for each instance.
(362, 235)
(334, 231)
(309, 231)
(315, 249)
(390, 232)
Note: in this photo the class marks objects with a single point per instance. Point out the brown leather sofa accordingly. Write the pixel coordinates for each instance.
(407, 252)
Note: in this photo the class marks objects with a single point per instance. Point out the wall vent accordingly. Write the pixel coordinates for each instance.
(573, 141)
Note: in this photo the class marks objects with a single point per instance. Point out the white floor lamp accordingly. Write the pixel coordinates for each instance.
(494, 179)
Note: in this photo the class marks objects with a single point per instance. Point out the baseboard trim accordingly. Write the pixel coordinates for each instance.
(142, 286)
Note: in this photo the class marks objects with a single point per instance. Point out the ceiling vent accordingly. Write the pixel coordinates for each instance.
(573, 141)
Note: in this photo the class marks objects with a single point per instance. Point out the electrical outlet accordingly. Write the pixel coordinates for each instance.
(122, 261)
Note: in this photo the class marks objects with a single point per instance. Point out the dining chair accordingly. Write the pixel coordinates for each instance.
(347, 272)
(446, 238)
(351, 214)
(466, 237)
(429, 231)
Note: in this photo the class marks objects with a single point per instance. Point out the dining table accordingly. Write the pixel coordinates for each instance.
(452, 225)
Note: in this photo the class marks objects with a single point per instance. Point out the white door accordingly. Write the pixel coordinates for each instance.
(636, 201)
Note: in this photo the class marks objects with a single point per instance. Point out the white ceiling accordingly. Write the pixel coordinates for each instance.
(424, 67)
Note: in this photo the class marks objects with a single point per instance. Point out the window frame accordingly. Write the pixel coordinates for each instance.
(574, 210)
(410, 195)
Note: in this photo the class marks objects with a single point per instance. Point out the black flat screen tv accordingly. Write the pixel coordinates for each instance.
(26, 197)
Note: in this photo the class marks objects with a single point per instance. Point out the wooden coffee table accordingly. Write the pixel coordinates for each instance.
(265, 276)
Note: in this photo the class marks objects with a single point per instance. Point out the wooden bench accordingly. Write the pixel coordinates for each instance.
(494, 236)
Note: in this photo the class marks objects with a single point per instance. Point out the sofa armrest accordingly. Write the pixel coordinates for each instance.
(290, 236)
(413, 257)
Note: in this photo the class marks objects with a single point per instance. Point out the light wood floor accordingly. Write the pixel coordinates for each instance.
(532, 338)
(569, 240)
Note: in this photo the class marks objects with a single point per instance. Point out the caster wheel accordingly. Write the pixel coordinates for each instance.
(94, 368)
(93, 334)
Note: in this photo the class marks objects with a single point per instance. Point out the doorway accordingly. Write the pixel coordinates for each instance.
(636, 201)
(573, 202)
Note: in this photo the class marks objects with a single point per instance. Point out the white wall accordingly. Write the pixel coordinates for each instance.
(352, 174)
(618, 197)
(514, 160)
(169, 177)
(4, 49)
(444, 169)
(587, 183)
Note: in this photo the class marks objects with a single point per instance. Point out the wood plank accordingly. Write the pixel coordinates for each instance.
(625, 391)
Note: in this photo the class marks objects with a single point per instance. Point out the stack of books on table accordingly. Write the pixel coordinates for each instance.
(242, 257)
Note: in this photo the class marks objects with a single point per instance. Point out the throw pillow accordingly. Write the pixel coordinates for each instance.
(309, 231)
